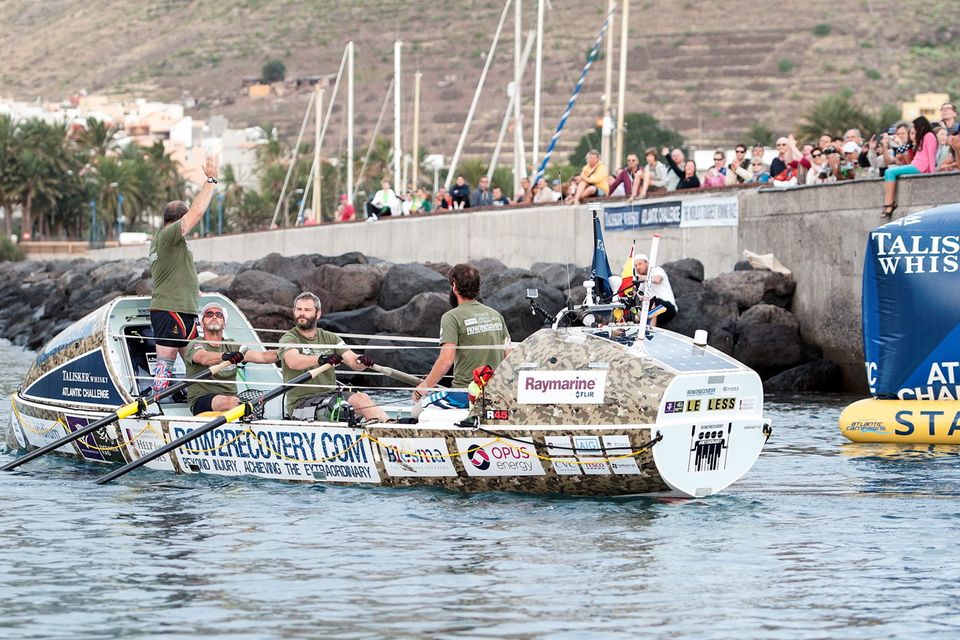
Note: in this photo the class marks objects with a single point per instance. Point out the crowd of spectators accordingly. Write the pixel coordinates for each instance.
(905, 148)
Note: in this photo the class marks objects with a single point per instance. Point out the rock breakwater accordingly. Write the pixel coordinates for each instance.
(746, 312)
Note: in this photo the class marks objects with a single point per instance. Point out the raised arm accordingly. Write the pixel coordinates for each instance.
(202, 201)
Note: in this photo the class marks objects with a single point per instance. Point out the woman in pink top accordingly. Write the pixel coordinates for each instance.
(925, 161)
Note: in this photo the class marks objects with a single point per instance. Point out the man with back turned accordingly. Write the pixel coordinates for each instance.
(173, 306)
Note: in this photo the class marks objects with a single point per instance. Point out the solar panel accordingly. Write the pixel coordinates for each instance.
(681, 355)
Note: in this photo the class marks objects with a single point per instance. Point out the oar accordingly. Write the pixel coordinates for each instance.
(233, 414)
(397, 375)
(138, 405)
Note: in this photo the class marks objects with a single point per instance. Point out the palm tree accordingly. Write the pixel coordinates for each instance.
(117, 176)
(839, 112)
(8, 183)
(98, 138)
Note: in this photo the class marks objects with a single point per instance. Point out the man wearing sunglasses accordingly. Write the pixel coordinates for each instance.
(220, 392)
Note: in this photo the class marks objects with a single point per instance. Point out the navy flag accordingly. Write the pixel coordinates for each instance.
(600, 270)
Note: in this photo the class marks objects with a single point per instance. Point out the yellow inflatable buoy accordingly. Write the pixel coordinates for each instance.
(906, 421)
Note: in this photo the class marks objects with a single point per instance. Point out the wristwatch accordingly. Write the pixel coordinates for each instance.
(211, 180)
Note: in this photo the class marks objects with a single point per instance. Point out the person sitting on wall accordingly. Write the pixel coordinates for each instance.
(384, 202)
(594, 179)
(925, 161)
(622, 185)
(460, 194)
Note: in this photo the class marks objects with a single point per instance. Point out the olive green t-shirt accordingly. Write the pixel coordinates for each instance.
(175, 286)
(210, 385)
(323, 344)
(473, 324)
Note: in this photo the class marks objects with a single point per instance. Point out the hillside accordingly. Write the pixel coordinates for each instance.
(700, 67)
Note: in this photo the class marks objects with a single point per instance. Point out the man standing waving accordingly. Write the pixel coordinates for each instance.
(173, 307)
(468, 324)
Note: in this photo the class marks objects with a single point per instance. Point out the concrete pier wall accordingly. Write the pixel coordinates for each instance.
(820, 233)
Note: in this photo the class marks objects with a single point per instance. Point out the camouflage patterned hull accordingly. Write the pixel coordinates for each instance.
(573, 411)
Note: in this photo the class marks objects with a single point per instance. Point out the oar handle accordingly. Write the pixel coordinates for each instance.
(230, 416)
(397, 375)
(125, 411)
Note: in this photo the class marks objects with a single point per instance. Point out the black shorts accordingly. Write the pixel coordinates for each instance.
(666, 316)
(203, 404)
(172, 328)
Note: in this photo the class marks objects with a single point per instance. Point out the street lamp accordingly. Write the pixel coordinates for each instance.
(116, 185)
(93, 223)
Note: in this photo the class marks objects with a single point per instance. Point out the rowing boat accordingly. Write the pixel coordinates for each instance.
(614, 410)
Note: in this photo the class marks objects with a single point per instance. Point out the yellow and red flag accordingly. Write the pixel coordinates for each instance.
(627, 285)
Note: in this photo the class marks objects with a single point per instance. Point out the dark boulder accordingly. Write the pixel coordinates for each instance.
(351, 257)
(354, 321)
(403, 281)
(689, 268)
(715, 312)
(419, 317)
(266, 287)
(289, 268)
(768, 339)
(352, 287)
(502, 279)
(487, 267)
(225, 268)
(751, 288)
(742, 265)
(686, 276)
(561, 276)
(511, 301)
(270, 320)
(220, 284)
(442, 268)
(822, 375)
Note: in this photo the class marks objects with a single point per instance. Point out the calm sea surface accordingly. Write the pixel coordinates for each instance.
(822, 539)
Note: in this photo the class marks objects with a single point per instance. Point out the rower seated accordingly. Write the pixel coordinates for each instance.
(305, 347)
(219, 393)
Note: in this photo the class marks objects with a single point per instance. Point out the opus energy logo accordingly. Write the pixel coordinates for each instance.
(479, 457)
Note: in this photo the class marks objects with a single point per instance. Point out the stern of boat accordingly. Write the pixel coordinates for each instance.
(712, 431)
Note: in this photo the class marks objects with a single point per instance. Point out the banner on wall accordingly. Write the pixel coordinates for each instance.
(692, 212)
(665, 213)
(710, 212)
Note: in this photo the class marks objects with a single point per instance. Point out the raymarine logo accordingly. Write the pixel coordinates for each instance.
(916, 254)
(563, 387)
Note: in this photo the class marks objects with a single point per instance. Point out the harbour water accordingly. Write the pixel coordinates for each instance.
(822, 539)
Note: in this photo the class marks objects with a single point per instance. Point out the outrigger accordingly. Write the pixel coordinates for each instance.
(579, 408)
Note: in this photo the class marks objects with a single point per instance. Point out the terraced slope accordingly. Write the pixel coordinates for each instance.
(709, 69)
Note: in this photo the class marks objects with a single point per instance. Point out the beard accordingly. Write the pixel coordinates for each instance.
(213, 327)
(453, 300)
(306, 322)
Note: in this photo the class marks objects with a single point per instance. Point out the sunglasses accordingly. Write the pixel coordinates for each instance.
(741, 150)
(213, 314)
(816, 155)
(718, 159)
